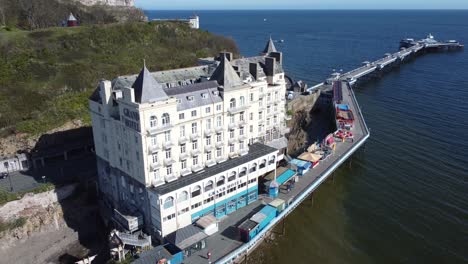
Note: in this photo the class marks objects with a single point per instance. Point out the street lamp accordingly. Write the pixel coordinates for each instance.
(7, 165)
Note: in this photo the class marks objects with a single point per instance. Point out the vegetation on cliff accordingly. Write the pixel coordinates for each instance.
(47, 75)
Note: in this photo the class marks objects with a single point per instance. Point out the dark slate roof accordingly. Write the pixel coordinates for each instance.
(154, 255)
(96, 96)
(255, 151)
(185, 89)
(147, 89)
(226, 75)
(270, 47)
(187, 236)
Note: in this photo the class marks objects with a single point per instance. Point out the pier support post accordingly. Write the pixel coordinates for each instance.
(283, 227)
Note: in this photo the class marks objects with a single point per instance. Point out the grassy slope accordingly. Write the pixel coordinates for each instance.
(46, 76)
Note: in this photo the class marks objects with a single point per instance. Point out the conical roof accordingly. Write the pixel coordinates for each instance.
(270, 47)
(71, 17)
(147, 89)
(225, 74)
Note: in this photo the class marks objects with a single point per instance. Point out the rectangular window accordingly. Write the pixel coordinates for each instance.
(154, 142)
(194, 128)
(218, 107)
(208, 124)
(182, 131)
(183, 148)
(208, 141)
(260, 114)
(183, 164)
(194, 113)
(251, 97)
(269, 97)
(219, 122)
(181, 116)
(208, 110)
(241, 131)
(241, 116)
(168, 154)
(167, 136)
(231, 119)
(195, 145)
(219, 137)
(260, 102)
(169, 170)
(231, 148)
(231, 134)
(276, 96)
(251, 116)
(208, 156)
(251, 129)
(241, 145)
(195, 161)
(219, 152)
(137, 154)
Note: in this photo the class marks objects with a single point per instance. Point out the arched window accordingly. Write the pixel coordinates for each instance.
(209, 186)
(243, 172)
(272, 160)
(183, 196)
(169, 202)
(220, 181)
(232, 176)
(253, 167)
(263, 164)
(242, 101)
(232, 103)
(153, 121)
(165, 120)
(196, 191)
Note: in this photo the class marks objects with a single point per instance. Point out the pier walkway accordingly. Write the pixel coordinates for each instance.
(226, 246)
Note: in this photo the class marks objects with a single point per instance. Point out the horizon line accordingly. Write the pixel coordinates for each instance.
(314, 9)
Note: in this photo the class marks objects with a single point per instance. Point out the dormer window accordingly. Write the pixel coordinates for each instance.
(179, 101)
(204, 95)
(190, 98)
(216, 93)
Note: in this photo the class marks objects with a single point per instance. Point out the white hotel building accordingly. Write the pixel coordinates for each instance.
(175, 145)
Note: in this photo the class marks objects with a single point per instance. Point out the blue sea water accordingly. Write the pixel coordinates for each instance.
(403, 198)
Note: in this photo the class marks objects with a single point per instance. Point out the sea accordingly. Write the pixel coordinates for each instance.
(403, 197)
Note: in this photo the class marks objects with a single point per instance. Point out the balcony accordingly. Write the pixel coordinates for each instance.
(185, 172)
(155, 165)
(219, 144)
(242, 123)
(235, 110)
(233, 155)
(242, 138)
(159, 129)
(210, 163)
(183, 140)
(170, 178)
(195, 152)
(168, 145)
(232, 141)
(219, 129)
(209, 148)
(194, 136)
(183, 156)
(243, 152)
(153, 148)
(157, 182)
(221, 159)
(208, 132)
(169, 162)
(232, 126)
(197, 168)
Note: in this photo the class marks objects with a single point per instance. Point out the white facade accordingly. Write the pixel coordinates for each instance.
(159, 130)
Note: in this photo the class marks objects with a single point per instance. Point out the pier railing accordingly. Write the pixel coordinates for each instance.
(245, 248)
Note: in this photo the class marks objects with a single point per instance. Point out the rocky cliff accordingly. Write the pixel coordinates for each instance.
(128, 3)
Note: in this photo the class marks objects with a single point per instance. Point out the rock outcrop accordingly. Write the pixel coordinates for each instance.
(128, 3)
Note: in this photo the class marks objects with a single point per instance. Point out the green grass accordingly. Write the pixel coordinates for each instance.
(6, 197)
(5, 226)
(47, 75)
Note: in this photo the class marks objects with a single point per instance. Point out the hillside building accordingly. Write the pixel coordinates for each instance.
(174, 146)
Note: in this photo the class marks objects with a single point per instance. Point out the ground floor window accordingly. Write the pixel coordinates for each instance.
(252, 196)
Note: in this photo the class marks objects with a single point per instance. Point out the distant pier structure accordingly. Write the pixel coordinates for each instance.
(193, 21)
